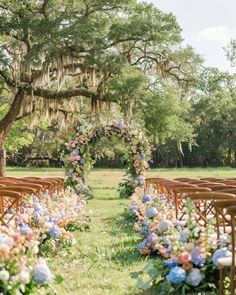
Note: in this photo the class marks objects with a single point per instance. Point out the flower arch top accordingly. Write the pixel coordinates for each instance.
(78, 159)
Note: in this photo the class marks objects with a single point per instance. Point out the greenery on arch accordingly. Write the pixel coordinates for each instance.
(78, 160)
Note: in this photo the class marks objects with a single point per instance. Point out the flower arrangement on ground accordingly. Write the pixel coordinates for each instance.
(53, 216)
(21, 270)
(78, 159)
(183, 250)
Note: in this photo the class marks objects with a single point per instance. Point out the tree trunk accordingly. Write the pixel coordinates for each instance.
(5, 125)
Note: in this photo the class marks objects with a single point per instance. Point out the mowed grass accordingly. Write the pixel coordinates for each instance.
(107, 178)
(104, 256)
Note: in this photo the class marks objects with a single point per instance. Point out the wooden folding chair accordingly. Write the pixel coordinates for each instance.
(223, 221)
(229, 190)
(223, 188)
(211, 184)
(197, 181)
(179, 194)
(24, 190)
(9, 201)
(161, 185)
(60, 182)
(204, 204)
(37, 187)
(46, 185)
(171, 186)
(183, 179)
(229, 263)
(211, 179)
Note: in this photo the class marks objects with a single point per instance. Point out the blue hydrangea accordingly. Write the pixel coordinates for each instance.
(197, 258)
(82, 161)
(142, 156)
(223, 240)
(54, 231)
(220, 253)
(144, 230)
(171, 263)
(142, 245)
(151, 212)
(182, 237)
(146, 198)
(164, 225)
(176, 275)
(42, 274)
(134, 208)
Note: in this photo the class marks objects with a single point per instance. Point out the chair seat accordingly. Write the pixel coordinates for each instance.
(226, 261)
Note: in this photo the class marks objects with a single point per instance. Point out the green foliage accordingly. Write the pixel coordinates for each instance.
(19, 136)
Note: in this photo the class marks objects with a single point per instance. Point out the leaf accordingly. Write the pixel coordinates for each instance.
(58, 279)
(153, 273)
(136, 274)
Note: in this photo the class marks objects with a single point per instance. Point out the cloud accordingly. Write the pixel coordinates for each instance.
(221, 34)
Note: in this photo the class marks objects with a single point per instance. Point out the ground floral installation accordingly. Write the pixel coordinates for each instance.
(183, 254)
(44, 228)
(78, 159)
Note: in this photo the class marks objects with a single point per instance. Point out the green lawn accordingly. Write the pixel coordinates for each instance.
(111, 177)
(103, 258)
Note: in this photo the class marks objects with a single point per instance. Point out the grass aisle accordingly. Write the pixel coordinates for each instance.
(102, 260)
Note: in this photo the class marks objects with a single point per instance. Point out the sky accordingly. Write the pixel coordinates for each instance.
(208, 25)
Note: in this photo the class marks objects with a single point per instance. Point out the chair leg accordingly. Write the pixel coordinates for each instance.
(221, 287)
(232, 285)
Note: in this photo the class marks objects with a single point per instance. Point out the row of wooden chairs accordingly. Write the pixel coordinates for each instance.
(14, 190)
(213, 197)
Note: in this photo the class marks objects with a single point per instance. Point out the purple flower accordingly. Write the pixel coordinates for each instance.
(152, 238)
(25, 229)
(176, 275)
(163, 197)
(54, 231)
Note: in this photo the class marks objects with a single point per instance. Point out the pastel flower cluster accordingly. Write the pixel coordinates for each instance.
(183, 249)
(78, 158)
(19, 264)
(51, 215)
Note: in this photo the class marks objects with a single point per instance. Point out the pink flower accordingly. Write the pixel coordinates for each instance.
(16, 237)
(136, 163)
(114, 122)
(71, 158)
(185, 257)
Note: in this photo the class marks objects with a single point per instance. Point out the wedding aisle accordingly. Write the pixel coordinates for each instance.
(105, 254)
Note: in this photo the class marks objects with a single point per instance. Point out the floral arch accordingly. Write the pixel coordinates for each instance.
(78, 161)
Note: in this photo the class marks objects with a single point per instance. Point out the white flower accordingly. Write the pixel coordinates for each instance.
(24, 277)
(195, 277)
(35, 249)
(4, 275)
(9, 242)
